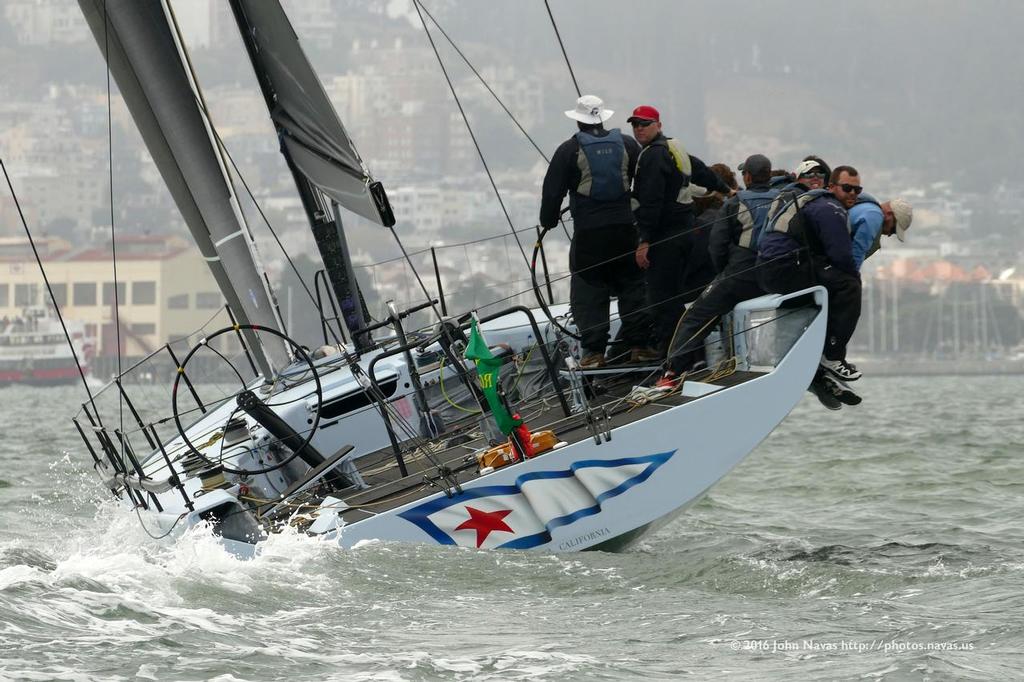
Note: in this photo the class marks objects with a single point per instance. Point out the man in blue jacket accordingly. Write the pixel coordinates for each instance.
(870, 220)
(807, 244)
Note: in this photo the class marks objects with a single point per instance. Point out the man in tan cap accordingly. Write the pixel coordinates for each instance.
(870, 219)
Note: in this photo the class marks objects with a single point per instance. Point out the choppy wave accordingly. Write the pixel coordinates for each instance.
(864, 528)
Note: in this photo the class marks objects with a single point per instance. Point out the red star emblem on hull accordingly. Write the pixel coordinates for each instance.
(484, 523)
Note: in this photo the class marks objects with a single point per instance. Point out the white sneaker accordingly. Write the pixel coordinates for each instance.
(840, 369)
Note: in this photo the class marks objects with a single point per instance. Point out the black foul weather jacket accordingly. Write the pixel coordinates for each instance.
(564, 175)
(656, 189)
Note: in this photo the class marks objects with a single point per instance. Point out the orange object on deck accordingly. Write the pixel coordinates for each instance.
(503, 455)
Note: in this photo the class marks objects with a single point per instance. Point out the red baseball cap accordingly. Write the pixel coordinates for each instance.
(644, 112)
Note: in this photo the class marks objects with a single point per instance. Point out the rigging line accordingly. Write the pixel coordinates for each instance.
(483, 82)
(496, 98)
(567, 275)
(503, 235)
(49, 289)
(672, 298)
(562, 45)
(469, 128)
(696, 227)
(113, 240)
(740, 210)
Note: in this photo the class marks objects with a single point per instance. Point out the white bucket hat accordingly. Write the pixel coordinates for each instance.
(903, 213)
(590, 109)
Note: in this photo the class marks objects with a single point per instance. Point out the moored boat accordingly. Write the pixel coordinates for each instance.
(34, 350)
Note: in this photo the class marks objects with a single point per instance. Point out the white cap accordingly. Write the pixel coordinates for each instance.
(903, 213)
(590, 109)
(806, 167)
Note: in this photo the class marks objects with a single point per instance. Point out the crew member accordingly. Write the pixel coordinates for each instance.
(807, 242)
(595, 167)
(733, 251)
(870, 220)
(664, 217)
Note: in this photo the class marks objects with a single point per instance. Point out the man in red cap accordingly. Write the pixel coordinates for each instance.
(663, 208)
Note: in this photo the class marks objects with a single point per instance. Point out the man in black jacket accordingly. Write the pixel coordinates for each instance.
(595, 167)
(664, 216)
(733, 249)
(810, 244)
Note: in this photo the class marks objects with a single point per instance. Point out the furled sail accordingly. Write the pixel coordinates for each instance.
(311, 131)
(148, 65)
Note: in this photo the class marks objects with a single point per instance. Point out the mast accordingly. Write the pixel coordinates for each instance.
(143, 55)
(324, 163)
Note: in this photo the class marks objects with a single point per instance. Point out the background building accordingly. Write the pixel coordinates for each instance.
(164, 289)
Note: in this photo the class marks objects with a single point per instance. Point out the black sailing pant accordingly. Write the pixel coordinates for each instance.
(720, 297)
(603, 264)
(666, 278)
(788, 274)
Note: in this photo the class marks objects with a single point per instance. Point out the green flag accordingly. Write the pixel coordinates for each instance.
(487, 369)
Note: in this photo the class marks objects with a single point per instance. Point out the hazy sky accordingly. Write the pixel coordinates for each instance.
(910, 91)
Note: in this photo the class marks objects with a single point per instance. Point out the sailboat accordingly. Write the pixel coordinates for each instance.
(393, 434)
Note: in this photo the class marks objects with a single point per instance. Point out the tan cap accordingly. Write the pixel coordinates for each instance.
(903, 214)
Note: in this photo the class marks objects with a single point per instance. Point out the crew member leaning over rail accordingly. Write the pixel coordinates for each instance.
(807, 242)
(870, 220)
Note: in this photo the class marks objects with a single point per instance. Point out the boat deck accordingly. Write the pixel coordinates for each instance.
(389, 489)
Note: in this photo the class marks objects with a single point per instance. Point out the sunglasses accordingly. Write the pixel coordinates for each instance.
(814, 176)
(642, 124)
(855, 189)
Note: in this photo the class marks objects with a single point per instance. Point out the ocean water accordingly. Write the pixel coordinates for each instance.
(880, 542)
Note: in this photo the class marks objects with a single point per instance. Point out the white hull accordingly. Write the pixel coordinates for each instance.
(585, 495)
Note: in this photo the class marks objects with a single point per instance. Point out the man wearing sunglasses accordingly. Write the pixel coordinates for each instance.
(810, 174)
(845, 185)
(814, 247)
(663, 208)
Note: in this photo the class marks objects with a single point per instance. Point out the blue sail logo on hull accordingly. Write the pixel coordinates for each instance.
(523, 514)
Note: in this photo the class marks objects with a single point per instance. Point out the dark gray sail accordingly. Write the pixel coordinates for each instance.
(145, 60)
(323, 161)
(313, 135)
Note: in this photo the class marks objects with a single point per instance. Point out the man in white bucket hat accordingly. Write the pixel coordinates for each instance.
(595, 168)
(590, 110)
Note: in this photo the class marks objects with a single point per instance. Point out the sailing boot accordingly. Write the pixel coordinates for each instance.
(823, 392)
(639, 356)
(841, 390)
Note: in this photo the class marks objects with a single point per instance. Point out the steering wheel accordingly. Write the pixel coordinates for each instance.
(297, 350)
